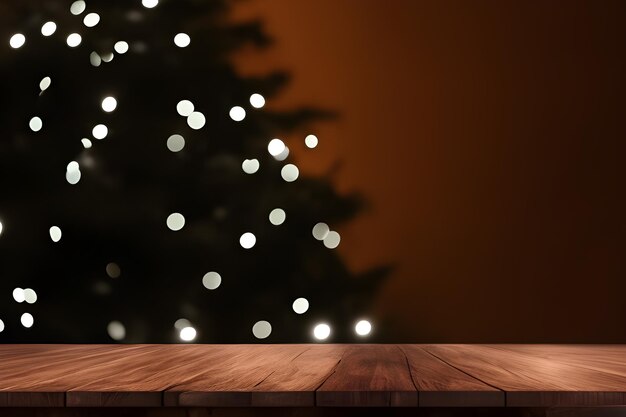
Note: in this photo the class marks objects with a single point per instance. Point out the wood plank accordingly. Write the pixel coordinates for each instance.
(293, 383)
(441, 385)
(533, 381)
(369, 375)
(230, 381)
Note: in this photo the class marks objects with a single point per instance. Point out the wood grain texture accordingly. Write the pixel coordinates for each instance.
(369, 375)
(441, 385)
(304, 376)
(532, 380)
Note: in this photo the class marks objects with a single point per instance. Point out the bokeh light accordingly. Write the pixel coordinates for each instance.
(113, 270)
(78, 7)
(100, 131)
(321, 331)
(250, 166)
(283, 155)
(18, 295)
(181, 324)
(121, 47)
(175, 143)
(107, 57)
(277, 216)
(55, 233)
(332, 239)
(109, 104)
(187, 334)
(17, 41)
(149, 4)
(86, 143)
(311, 141)
(185, 108)
(363, 328)
(175, 221)
(290, 172)
(320, 231)
(95, 59)
(196, 120)
(300, 305)
(275, 147)
(73, 40)
(30, 296)
(45, 83)
(211, 280)
(48, 28)
(73, 177)
(1, 326)
(261, 329)
(35, 124)
(27, 320)
(91, 20)
(237, 113)
(257, 100)
(247, 240)
(116, 330)
(182, 40)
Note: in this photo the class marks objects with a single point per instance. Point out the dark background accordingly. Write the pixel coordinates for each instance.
(490, 137)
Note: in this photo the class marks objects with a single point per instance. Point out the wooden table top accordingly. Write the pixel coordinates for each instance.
(312, 375)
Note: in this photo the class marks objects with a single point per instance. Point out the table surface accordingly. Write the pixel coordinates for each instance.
(312, 375)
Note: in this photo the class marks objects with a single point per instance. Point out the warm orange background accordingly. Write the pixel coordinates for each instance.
(490, 139)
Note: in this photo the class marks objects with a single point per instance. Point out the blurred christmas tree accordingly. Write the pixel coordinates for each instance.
(165, 142)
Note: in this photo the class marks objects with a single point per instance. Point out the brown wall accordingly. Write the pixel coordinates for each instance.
(490, 139)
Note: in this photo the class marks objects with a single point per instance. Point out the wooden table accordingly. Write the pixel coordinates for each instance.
(316, 379)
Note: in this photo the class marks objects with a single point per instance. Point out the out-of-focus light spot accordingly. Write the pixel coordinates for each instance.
(182, 40)
(0, 228)
(311, 141)
(94, 59)
(247, 240)
(17, 41)
(48, 28)
(250, 166)
(121, 47)
(275, 147)
(277, 216)
(73, 166)
(149, 4)
(182, 323)
(290, 172)
(300, 305)
(113, 270)
(175, 143)
(73, 40)
(73, 177)
(45, 83)
(321, 331)
(100, 131)
(185, 108)
(332, 239)
(363, 328)
(237, 113)
(86, 143)
(1, 326)
(116, 330)
(283, 155)
(35, 124)
(107, 57)
(175, 221)
(55, 233)
(187, 334)
(261, 329)
(109, 104)
(211, 280)
(257, 100)
(320, 231)
(18, 295)
(78, 7)
(91, 20)
(196, 120)
(30, 296)
(27, 320)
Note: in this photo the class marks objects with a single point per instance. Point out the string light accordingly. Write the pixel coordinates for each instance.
(44, 84)
(277, 216)
(187, 334)
(250, 166)
(175, 143)
(30, 296)
(332, 239)
(185, 108)
(48, 28)
(175, 221)
(1, 326)
(237, 113)
(18, 295)
(182, 40)
(257, 100)
(247, 240)
(211, 280)
(261, 329)
(311, 141)
(196, 120)
(107, 57)
(116, 330)
(35, 124)
(290, 172)
(91, 20)
(320, 231)
(321, 331)
(55, 233)
(181, 324)
(78, 7)
(283, 155)
(17, 41)
(100, 131)
(94, 59)
(300, 305)
(109, 104)
(363, 328)
(120, 47)
(149, 4)
(27, 320)
(113, 270)
(275, 147)
(73, 40)
(86, 143)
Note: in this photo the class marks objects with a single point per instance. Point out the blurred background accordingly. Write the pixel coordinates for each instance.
(466, 184)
